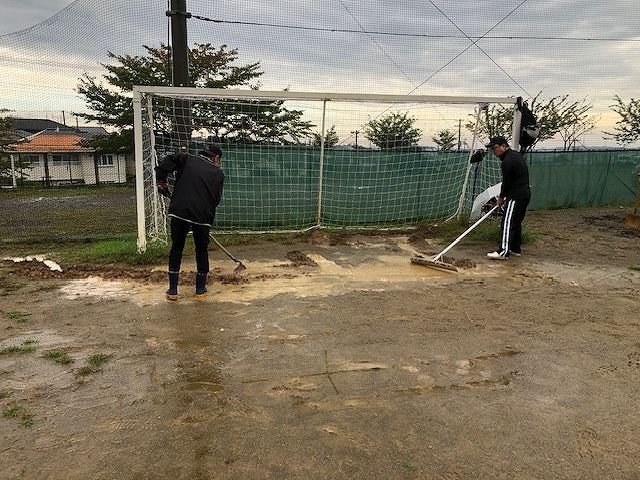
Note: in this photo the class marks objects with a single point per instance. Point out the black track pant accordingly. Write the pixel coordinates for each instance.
(179, 231)
(511, 228)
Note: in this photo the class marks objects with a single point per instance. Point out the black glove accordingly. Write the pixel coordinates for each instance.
(477, 156)
(163, 188)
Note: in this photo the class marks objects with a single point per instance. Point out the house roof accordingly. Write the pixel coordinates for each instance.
(53, 141)
(35, 125)
(29, 126)
(93, 131)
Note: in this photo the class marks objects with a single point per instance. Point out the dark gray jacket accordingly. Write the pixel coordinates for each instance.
(198, 187)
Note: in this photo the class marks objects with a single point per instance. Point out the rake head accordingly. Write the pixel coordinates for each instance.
(239, 268)
(427, 262)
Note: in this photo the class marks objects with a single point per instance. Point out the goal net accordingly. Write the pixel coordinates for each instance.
(295, 161)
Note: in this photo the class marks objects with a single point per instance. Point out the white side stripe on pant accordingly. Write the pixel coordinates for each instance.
(508, 215)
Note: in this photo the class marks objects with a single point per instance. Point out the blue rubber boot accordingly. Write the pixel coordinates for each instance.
(172, 293)
(201, 285)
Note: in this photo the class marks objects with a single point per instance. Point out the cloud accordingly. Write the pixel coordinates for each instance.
(54, 54)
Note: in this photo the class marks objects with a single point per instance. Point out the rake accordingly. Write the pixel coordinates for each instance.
(240, 267)
(436, 261)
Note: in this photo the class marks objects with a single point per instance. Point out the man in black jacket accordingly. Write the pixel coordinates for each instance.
(196, 194)
(513, 199)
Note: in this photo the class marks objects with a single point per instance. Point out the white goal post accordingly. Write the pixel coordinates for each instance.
(300, 160)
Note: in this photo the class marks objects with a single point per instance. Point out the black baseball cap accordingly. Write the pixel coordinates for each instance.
(211, 150)
(497, 140)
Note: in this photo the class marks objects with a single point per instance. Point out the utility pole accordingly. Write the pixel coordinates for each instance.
(356, 132)
(459, 132)
(180, 70)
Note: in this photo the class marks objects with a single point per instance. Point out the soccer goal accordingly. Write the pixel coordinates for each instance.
(298, 160)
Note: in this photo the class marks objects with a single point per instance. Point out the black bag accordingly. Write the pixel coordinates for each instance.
(529, 129)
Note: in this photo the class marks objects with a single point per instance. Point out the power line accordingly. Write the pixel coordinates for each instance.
(416, 35)
(373, 40)
(475, 42)
(377, 44)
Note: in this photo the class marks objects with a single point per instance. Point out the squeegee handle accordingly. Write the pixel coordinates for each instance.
(464, 234)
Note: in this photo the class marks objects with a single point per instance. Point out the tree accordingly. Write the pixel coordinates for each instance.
(8, 139)
(628, 127)
(555, 116)
(445, 140)
(330, 138)
(572, 132)
(395, 130)
(209, 67)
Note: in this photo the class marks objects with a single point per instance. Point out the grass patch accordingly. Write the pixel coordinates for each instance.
(409, 467)
(99, 359)
(489, 232)
(5, 394)
(94, 363)
(11, 410)
(19, 317)
(67, 191)
(486, 232)
(125, 250)
(27, 346)
(26, 421)
(58, 357)
(116, 251)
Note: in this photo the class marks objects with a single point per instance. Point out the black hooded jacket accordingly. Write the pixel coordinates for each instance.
(198, 187)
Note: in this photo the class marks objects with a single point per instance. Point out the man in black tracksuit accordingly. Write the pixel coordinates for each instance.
(196, 194)
(514, 198)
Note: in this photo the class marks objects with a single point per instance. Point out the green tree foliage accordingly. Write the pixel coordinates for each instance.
(395, 130)
(8, 139)
(110, 101)
(446, 140)
(627, 128)
(330, 138)
(558, 115)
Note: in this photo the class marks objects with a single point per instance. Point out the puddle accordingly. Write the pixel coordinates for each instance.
(139, 294)
(43, 339)
(208, 381)
(266, 279)
(379, 273)
(29, 371)
(585, 275)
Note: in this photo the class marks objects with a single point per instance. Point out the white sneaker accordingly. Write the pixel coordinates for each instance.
(496, 256)
(515, 254)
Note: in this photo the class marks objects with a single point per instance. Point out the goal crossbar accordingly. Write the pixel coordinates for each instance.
(314, 96)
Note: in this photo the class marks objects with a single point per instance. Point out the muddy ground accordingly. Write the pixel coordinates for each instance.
(334, 361)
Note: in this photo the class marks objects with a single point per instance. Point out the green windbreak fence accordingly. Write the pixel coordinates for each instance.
(277, 188)
(580, 179)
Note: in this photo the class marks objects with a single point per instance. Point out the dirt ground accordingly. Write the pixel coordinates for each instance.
(334, 361)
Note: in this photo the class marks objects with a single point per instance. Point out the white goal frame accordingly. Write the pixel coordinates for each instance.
(235, 94)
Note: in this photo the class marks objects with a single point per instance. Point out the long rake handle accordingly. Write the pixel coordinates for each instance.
(223, 249)
(457, 240)
(635, 210)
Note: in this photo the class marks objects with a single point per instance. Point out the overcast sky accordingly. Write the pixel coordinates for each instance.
(41, 65)
(17, 15)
